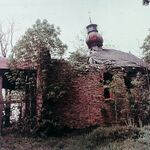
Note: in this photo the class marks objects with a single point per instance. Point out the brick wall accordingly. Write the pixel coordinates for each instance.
(85, 104)
(83, 107)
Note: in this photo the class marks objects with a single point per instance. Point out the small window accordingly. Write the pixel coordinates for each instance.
(106, 93)
(107, 77)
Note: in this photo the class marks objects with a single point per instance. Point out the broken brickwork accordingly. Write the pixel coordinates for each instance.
(83, 108)
(90, 99)
(87, 105)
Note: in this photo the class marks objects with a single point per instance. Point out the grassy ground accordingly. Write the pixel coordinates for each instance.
(99, 139)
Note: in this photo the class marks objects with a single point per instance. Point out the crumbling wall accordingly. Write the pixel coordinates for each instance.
(90, 99)
(60, 71)
(86, 105)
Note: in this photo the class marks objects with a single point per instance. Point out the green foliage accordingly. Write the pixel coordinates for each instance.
(146, 48)
(56, 90)
(139, 100)
(81, 142)
(117, 85)
(101, 135)
(35, 49)
(19, 79)
(49, 125)
(42, 35)
(77, 58)
(80, 56)
(118, 89)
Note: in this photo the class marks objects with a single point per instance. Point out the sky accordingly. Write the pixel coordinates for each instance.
(123, 23)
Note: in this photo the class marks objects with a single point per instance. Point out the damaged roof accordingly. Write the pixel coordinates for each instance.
(117, 58)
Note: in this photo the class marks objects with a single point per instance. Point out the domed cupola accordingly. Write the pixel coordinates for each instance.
(94, 39)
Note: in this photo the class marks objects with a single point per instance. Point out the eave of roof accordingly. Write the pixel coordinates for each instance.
(4, 64)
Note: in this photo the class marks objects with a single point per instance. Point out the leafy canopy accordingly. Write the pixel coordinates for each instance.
(78, 57)
(41, 35)
(146, 48)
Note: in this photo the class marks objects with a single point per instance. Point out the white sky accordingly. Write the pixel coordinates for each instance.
(123, 23)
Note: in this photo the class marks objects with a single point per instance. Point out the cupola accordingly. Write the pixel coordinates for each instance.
(94, 39)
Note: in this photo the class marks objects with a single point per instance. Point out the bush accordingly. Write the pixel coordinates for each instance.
(101, 135)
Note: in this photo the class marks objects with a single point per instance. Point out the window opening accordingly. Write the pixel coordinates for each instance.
(107, 77)
(107, 93)
(128, 78)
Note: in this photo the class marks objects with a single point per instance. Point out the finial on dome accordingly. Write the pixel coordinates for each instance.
(90, 20)
(90, 17)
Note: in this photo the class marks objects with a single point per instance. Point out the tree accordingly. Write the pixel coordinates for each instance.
(146, 48)
(80, 56)
(41, 35)
(36, 47)
(6, 40)
(6, 43)
(140, 99)
(146, 2)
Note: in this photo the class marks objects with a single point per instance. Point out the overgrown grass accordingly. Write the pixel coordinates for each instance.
(108, 138)
(103, 136)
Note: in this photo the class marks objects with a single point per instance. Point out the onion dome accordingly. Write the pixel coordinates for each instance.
(93, 38)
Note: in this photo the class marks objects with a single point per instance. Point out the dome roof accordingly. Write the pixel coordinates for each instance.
(93, 38)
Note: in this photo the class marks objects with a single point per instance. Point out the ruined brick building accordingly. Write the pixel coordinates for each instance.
(106, 90)
(111, 88)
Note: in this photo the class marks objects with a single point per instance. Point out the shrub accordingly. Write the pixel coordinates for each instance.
(101, 135)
